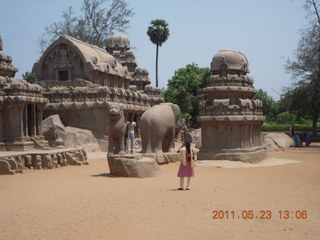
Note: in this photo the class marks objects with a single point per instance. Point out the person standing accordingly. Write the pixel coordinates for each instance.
(130, 128)
(293, 129)
(187, 158)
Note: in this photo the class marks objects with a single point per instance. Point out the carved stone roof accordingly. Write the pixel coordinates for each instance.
(141, 74)
(117, 42)
(93, 57)
(229, 60)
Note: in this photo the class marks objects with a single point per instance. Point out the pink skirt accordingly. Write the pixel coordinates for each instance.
(186, 171)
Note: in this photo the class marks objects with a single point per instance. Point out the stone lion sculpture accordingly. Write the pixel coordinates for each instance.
(157, 128)
(28, 161)
(47, 161)
(38, 162)
(116, 130)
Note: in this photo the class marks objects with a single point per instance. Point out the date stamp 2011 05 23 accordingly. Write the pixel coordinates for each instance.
(260, 214)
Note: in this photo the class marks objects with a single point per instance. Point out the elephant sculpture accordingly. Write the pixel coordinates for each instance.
(157, 128)
(116, 130)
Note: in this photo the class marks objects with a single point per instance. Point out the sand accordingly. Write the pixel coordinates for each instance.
(86, 202)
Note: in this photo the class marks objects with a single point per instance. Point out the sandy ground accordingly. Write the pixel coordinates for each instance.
(86, 202)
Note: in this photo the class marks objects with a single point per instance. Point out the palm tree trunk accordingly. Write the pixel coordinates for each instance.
(157, 83)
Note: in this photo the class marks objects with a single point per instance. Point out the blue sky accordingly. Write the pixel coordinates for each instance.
(266, 31)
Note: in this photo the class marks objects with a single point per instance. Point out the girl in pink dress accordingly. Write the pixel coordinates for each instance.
(188, 158)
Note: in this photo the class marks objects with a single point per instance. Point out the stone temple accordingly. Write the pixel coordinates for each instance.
(21, 109)
(230, 118)
(22, 143)
(82, 81)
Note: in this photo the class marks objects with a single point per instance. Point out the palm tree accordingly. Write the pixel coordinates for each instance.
(158, 33)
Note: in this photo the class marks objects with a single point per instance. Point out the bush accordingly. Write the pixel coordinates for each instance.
(29, 77)
(285, 127)
(315, 138)
(285, 118)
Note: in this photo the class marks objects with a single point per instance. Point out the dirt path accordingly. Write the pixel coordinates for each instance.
(88, 203)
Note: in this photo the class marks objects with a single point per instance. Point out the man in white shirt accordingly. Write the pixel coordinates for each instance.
(130, 128)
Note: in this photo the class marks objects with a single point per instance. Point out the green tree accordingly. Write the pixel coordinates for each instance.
(29, 77)
(270, 106)
(285, 118)
(185, 89)
(94, 24)
(158, 33)
(305, 69)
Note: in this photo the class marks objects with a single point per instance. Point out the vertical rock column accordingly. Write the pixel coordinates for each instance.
(230, 118)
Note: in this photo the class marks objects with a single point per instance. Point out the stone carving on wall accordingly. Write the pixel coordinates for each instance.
(28, 161)
(38, 162)
(47, 162)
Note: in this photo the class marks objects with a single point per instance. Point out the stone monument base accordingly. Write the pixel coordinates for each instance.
(164, 158)
(133, 165)
(238, 154)
(12, 162)
(18, 146)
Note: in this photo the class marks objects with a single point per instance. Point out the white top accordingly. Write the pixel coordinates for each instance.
(131, 126)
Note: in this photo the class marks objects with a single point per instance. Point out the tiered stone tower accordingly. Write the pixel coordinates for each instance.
(230, 118)
(118, 45)
(140, 78)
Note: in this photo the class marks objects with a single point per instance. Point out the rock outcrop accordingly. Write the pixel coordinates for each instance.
(277, 141)
(55, 133)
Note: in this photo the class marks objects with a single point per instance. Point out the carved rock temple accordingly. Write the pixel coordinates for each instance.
(230, 118)
(22, 144)
(21, 109)
(82, 81)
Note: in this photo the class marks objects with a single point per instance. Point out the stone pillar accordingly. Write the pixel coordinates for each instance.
(34, 120)
(25, 120)
(39, 119)
(13, 124)
(21, 118)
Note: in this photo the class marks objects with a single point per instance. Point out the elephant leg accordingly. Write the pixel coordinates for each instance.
(168, 141)
(156, 144)
(146, 142)
(172, 147)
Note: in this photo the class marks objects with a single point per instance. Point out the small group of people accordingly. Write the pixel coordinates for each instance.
(301, 138)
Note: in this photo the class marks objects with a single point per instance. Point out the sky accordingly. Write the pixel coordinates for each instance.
(266, 31)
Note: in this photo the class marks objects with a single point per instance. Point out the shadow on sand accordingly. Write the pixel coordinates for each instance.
(109, 175)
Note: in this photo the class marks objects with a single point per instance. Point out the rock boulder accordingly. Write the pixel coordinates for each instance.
(69, 137)
(277, 141)
(133, 166)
